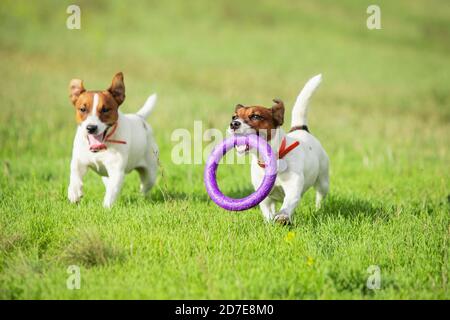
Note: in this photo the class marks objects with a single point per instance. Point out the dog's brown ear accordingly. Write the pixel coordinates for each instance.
(238, 106)
(75, 89)
(117, 88)
(278, 112)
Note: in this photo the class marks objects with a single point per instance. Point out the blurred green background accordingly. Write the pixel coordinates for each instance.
(382, 113)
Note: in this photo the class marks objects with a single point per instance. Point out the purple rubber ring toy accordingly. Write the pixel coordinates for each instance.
(253, 142)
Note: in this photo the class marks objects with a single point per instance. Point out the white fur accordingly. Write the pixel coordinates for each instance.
(148, 107)
(307, 164)
(139, 153)
(94, 105)
(300, 110)
(92, 118)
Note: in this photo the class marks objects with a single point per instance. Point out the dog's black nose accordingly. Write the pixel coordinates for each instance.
(235, 124)
(91, 128)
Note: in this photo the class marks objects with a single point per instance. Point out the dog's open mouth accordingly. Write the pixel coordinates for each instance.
(96, 141)
(242, 149)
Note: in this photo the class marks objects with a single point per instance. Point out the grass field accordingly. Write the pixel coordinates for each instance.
(382, 113)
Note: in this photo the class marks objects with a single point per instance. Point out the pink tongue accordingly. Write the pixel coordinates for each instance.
(96, 141)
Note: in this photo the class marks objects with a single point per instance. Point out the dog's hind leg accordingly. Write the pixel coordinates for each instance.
(148, 175)
(322, 185)
(149, 171)
(105, 181)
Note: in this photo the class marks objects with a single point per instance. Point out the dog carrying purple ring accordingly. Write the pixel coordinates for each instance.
(253, 142)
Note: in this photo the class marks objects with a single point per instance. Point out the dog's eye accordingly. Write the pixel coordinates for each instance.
(256, 117)
(105, 110)
(83, 109)
(234, 117)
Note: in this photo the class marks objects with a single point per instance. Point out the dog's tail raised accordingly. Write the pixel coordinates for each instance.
(300, 111)
(148, 106)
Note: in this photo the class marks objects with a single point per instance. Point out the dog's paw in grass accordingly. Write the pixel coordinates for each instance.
(74, 193)
(282, 219)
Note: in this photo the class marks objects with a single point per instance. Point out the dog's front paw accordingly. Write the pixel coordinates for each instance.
(282, 218)
(74, 193)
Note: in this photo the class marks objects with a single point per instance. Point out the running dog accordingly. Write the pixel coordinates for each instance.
(302, 161)
(110, 142)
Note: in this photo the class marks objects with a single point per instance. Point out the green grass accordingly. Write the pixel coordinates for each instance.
(382, 113)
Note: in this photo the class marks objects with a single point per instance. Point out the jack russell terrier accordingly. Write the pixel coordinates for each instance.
(302, 161)
(110, 142)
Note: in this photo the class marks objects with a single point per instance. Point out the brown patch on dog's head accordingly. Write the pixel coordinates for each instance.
(260, 118)
(107, 101)
(76, 88)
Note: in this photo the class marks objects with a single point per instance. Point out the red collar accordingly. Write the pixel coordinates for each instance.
(283, 151)
(107, 138)
(103, 146)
